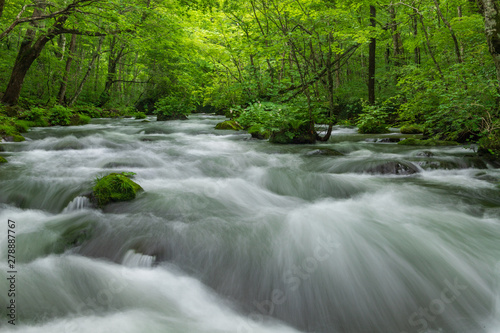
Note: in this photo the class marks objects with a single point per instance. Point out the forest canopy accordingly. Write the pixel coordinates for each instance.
(274, 66)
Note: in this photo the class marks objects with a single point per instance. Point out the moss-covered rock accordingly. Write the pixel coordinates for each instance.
(429, 142)
(258, 132)
(229, 125)
(79, 119)
(3, 160)
(115, 187)
(411, 129)
(14, 138)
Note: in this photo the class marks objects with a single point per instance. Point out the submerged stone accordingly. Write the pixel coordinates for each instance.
(393, 168)
(114, 187)
(324, 152)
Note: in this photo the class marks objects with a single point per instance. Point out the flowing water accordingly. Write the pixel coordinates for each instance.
(238, 235)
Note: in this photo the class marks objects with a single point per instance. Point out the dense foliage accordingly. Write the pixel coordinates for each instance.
(276, 67)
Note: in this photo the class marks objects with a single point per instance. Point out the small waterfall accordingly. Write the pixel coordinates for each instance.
(133, 259)
(78, 203)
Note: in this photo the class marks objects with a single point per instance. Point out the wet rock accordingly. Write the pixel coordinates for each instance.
(393, 168)
(389, 140)
(14, 138)
(2, 160)
(324, 152)
(425, 153)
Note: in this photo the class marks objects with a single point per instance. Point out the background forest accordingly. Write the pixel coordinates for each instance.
(289, 69)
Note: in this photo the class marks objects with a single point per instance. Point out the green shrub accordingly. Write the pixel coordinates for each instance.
(172, 107)
(89, 110)
(373, 120)
(139, 115)
(59, 115)
(411, 129)
(490, 145)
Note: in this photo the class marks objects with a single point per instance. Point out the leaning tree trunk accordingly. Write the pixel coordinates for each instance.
(28, 52)
(491, 9)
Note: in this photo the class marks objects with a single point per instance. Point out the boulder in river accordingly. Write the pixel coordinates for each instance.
(2, 160)
(229, 125)
(115, 187)
(14, 138)
(324, 152)
(393, 168)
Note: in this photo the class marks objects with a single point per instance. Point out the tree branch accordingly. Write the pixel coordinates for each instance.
(65, 11)
(318, 76)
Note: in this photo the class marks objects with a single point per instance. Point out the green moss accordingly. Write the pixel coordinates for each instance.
(259, 132)
(3, 160)
(115, 187)
(429, 142)
(411, 129)
(229, 125)
(79, 119)
(18, 138)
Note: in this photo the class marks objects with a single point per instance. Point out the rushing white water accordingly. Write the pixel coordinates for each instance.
(237, 235)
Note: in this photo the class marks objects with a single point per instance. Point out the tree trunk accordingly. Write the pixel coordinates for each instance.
(28, 52)
(371, 59)
(491, 10)
(111, 77)
(64, 83)
(396, 37)
(416, 50)
(453, 36)
(87, 74)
